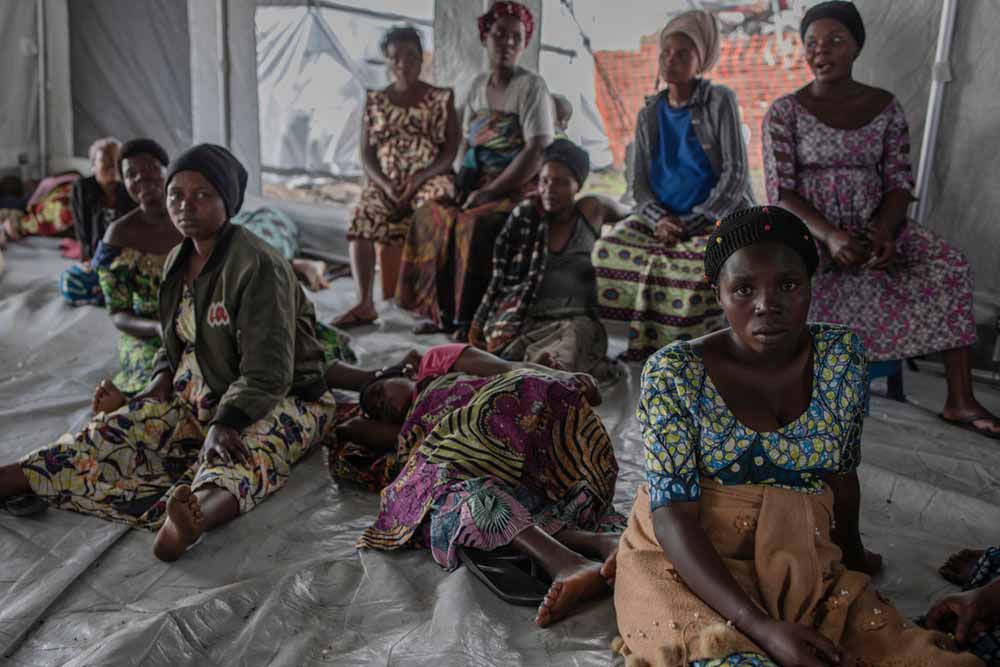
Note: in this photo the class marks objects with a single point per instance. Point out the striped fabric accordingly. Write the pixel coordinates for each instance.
(519, 449)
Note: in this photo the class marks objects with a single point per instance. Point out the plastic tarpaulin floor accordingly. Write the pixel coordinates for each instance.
(284, 584)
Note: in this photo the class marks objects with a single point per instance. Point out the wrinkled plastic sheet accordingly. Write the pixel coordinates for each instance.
(284, 584)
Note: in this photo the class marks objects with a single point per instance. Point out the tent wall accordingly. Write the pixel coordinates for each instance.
(131, 75)
(19, 103)
(224, 79)
(458, 54)
(963, 201)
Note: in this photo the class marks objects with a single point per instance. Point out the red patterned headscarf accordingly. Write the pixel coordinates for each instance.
(502, 9)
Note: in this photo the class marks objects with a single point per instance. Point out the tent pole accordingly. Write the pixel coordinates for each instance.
(940, 76)
(223, 46)
(43, 119)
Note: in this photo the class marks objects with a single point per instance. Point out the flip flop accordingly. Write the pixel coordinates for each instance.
(25, 504)
(967, 423)
(350, 320)
(511, 577)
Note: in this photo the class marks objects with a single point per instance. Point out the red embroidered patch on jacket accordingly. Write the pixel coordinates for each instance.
(218, 316)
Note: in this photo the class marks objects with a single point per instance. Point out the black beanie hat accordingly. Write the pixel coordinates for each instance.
(220, 167)
(139, 147)
(838, 10)
(758, 224)
(575, 158)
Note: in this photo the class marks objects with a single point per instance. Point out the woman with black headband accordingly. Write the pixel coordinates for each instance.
(837, 153)
(237, 395)
(475, 454)
(743, 546)
(541, 305)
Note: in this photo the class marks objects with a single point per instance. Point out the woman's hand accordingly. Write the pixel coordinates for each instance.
(845, 250)
(794, 645)
(478, 198)
(883, 246)
(967, 615)
(669, 230)
(225, 444)
(160, 388)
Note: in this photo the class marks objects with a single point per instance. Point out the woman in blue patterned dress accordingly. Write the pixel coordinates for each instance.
(743, 547)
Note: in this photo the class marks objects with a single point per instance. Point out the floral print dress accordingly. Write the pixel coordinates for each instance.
(923, 302)
(406, 140)
(123, 466)
(130, 281)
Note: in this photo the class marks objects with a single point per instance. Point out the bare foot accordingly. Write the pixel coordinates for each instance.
(959, 568)
(313, 272)
(107, 398)
(569, 590)
(359, 315)
(183, 527)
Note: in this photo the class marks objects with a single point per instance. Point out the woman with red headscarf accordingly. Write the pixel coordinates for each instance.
(507, 123)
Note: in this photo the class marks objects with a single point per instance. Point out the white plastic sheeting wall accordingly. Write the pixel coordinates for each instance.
(19, 102)
(131, 71)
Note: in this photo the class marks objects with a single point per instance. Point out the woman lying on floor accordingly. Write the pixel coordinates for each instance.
(542, 300)
(493, 454)
(743, 546)
(237, 395)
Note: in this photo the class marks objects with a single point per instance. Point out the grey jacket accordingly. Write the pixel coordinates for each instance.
(715, 118)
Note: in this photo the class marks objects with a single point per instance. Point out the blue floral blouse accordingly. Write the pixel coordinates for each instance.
(688, 431)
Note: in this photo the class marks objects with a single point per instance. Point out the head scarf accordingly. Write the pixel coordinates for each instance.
(220, 168)
(701, 28)
(838, 10)
(139, 147)
(502, 9)
(567, 153)
(758, 224)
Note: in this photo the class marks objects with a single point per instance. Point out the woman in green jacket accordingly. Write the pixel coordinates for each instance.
(238, 393)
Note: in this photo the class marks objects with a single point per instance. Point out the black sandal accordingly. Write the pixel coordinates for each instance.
(968, 424)
(512, 577)
(25, 504)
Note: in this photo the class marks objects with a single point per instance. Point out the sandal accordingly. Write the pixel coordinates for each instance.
(512, 577)
(25, 504)
(351, 320)
(968, 424)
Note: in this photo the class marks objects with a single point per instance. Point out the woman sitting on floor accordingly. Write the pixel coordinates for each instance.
(743, 545)
(494, 454)
(690, 169)
(837, 154)
(542, 300)
(238, 394)
(129, 263)
(97, 201)
(507, 120)
(409, 140)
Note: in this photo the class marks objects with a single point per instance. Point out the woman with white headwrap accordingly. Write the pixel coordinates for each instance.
(690, 170)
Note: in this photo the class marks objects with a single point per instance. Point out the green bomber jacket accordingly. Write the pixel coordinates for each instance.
(256, 329)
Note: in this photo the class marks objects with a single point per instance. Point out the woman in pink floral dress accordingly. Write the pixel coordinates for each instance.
(836, 153)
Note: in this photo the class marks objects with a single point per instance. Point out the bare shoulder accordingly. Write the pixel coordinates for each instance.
(123, 231)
